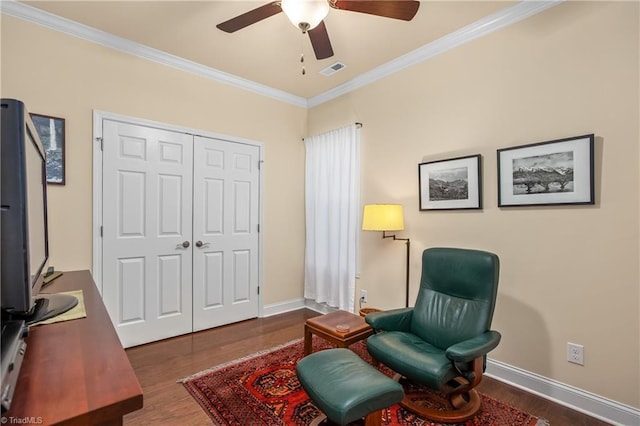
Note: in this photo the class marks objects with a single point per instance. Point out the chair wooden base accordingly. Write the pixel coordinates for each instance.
(371, 419)
(464, 409)
(463, 398)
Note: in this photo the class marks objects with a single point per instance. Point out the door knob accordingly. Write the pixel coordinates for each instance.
(185, 244)
(201, 244)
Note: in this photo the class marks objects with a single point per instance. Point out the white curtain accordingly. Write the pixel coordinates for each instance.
(332, 202)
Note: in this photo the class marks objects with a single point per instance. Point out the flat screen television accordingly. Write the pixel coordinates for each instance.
(24, 250)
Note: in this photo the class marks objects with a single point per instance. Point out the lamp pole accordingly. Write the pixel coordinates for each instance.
(408, 243)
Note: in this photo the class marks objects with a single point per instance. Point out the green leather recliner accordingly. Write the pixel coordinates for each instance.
(442, 342)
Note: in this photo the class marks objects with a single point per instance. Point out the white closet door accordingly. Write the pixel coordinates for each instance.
(147, 230)
(225, 232)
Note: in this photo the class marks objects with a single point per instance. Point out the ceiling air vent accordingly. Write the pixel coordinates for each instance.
(332, 69)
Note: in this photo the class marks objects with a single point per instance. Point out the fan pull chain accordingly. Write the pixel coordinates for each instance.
(304, 71)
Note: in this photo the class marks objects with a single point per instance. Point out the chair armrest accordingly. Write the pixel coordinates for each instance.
(473, 348)
(393, 320)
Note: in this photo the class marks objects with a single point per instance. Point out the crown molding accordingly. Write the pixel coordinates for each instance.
(502, 18)
(75, 29)
(482, 27)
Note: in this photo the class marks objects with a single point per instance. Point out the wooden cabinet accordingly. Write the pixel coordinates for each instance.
(76, 372)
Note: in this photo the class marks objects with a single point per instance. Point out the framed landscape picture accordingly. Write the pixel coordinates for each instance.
(451, 184)
(51, 132)
(547, 173)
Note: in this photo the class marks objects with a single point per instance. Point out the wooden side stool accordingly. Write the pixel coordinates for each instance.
(327, 326)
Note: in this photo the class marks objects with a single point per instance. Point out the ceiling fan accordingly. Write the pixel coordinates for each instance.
(308, 15)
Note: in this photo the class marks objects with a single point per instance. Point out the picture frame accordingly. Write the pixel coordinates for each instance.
(451, 184)
(51, 131)
(554, 172)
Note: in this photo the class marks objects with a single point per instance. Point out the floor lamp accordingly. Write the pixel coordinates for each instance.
(387, 217)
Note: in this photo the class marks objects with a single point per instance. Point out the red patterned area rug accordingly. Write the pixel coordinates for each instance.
(263, 389)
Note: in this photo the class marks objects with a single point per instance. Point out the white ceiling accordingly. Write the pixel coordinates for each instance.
(268, 52)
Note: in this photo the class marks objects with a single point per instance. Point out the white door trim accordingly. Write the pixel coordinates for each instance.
(98, 117)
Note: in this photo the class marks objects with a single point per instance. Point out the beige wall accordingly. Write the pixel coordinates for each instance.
(569, 273)
(59, 75)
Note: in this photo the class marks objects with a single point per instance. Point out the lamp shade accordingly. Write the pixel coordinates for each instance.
(382, 217)
(310, 12)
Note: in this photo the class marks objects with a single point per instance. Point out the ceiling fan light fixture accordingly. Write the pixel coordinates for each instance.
(305, 14)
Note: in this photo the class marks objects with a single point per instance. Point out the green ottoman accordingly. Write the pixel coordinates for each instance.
(346, 388)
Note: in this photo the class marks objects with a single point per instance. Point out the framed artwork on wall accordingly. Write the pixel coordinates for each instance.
(547, 173)
(51, 132)
(451, 184)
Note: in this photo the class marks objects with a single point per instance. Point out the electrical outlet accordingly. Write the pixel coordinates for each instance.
(363, 296)
(575, 353)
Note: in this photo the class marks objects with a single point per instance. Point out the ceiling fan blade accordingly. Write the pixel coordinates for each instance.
(396, 9)
(320, 41)
(250, 17)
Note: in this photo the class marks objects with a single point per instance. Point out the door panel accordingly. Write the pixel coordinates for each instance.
(130, 281)
(241, 275)
(132, 190)
(147, 201)
(213, 207)
(213, 276)
(226, 196)
(170, 205)
(169, 278)
(241, 208)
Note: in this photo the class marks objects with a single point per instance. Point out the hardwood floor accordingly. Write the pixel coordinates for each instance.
(160, 365)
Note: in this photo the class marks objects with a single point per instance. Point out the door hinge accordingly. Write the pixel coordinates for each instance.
(260, 164)
(101, 232)
(99, 139)
(258, 228)
(258, 289)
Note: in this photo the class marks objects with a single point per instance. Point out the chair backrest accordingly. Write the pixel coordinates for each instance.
(457, 295)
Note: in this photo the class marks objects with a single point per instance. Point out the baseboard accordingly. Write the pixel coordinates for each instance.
(282, 307)
(293, 305)
(577, 399)
(318, 307)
